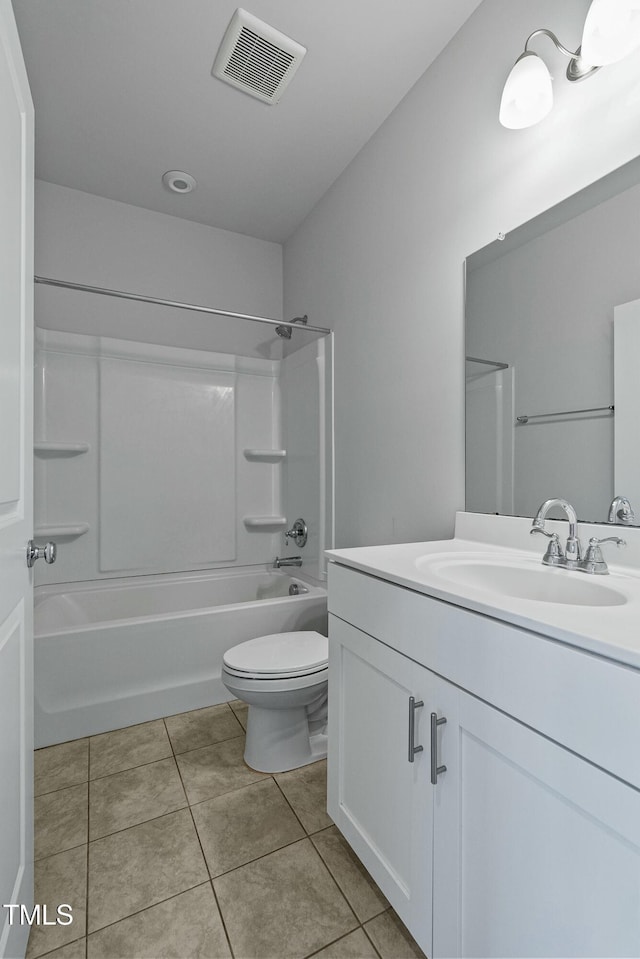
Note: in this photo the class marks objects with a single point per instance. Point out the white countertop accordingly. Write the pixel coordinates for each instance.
(612, 631)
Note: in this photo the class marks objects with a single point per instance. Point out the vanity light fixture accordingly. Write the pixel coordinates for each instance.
(611, 32)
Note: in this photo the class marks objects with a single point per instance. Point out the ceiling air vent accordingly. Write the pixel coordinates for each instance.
(256, 58)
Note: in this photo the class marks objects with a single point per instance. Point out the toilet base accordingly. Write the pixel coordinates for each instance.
(280, 739)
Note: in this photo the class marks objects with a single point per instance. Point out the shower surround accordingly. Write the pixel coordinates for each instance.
(153, 462)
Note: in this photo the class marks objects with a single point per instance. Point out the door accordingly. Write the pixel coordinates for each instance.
(16, 468)
(536, 851)
(380, 801)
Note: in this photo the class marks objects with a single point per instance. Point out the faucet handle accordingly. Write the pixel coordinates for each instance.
(594, 561)
(554, 555)
(540, 529)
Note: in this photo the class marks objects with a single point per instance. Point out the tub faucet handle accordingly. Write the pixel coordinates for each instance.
(298, 533)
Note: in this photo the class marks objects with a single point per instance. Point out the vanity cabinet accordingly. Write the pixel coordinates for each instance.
(521, 847)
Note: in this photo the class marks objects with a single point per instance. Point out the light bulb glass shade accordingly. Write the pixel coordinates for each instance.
(528, 93)
(611, 31)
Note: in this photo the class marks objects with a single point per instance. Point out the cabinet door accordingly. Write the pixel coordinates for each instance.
(381, 802)
(536, 851)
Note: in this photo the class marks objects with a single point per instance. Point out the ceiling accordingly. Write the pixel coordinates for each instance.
(123, 92)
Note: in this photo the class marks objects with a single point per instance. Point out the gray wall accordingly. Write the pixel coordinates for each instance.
(98, 242)
(380, 257)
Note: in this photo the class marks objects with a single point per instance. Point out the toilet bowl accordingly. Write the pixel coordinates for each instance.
(283, 679)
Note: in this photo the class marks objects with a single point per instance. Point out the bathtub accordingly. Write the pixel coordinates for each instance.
(119, 652)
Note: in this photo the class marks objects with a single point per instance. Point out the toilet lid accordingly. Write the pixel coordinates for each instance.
(294, 653)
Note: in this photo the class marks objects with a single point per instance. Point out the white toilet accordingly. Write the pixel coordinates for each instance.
(283, 678)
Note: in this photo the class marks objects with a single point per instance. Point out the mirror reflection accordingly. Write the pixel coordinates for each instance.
(542, 395)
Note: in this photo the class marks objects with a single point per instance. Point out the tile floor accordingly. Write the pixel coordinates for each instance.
(168, 846)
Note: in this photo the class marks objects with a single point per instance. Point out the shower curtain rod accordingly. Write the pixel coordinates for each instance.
(174, 303)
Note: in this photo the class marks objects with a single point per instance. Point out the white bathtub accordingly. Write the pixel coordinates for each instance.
(111, 654)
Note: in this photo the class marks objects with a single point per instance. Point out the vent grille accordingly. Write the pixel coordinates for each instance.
(258, 63)
(256, 58)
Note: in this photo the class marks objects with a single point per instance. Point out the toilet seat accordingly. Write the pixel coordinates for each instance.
(274, 677)
(245, 683)
(279, 656)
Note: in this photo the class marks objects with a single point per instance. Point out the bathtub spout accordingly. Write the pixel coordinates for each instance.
(287, 561)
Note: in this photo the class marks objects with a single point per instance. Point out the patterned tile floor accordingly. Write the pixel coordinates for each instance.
(168, 846)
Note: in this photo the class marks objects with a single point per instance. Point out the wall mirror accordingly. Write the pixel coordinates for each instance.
(540, 378)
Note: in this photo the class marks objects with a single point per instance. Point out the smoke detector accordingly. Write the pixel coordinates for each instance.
(178, 181)
(256, 58)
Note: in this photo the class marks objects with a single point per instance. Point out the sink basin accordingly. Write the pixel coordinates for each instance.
(539, 583)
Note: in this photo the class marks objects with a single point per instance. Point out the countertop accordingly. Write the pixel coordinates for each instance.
(611, 631)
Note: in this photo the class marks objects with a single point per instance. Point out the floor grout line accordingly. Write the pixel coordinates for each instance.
(339, 939)
(50, 792)
(375, 948)
(134, 825)
(264, 855)
(65, 742)
(218, 742)
(58, 852)
(335, 881)
(139, 912)
(222, 920)
(86, 916)
(43, 955)
(127, 769)
(284, 796)
(224, 925)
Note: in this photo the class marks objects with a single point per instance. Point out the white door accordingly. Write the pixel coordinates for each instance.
(16, 468)
(380, 801)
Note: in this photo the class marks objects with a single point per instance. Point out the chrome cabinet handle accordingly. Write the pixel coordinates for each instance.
(435, 769)
(47, 552)
(413, 705)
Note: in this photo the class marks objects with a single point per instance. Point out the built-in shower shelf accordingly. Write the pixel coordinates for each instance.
(62, 529)
(69, 448)
(266, 524)
(265, 456)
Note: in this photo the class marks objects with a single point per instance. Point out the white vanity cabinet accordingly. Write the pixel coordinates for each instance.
(521, 847)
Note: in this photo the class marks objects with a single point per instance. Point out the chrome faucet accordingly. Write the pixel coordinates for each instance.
(621, 511)
(287, 561)
(554, 555)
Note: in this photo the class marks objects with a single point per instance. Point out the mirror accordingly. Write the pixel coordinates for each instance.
(539, 311)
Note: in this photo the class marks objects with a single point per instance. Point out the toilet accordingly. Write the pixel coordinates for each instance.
(283, 679)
